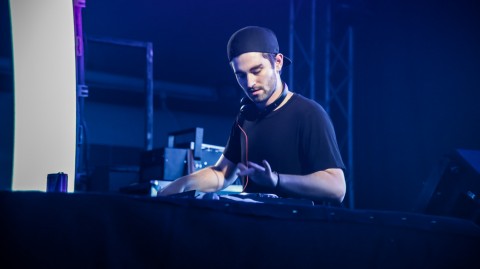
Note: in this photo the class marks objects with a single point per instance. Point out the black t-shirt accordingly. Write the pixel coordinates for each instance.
(298, 138)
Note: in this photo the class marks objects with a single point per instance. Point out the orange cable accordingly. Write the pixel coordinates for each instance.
(246, 156)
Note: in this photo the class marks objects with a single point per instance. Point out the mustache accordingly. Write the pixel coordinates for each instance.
(252, 89)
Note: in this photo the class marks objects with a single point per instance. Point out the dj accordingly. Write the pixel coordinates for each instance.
(281, 142)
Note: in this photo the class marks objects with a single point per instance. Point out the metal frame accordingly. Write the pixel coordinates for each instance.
(198, 141)
(148, 79)
(82, 89)
(296, 43)
(338, 80)
(338, 74)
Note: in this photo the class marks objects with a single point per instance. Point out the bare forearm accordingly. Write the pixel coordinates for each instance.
(209, 179)
(327, 184)
(206, 180)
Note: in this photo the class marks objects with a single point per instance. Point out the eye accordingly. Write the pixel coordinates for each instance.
(257, 71)
(240, 75)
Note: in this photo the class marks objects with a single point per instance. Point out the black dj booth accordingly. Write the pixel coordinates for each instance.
(101, 230)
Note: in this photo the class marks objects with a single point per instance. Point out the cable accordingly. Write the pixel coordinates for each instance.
(246, 157)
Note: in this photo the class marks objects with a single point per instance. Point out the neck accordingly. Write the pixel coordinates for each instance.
(272, 106)
(277, 94)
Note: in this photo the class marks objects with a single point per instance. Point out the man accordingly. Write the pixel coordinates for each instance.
(281, 142)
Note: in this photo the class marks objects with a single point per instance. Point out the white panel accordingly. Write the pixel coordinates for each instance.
(45, 95)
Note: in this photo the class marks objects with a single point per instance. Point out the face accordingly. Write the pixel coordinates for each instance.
(257, 77)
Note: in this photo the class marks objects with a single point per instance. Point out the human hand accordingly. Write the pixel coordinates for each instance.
(262, 175)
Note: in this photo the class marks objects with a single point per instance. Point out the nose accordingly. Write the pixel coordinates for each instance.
(251, 81)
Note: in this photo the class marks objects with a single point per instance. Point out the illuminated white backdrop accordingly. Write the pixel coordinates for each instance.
(44, 91)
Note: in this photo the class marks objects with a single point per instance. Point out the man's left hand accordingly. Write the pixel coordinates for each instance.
(262, 175)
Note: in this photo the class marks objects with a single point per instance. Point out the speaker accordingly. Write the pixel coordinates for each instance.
(164, 164)
(112, 178)
(453, 187)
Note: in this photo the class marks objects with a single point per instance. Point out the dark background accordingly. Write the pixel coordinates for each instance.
(416, 85)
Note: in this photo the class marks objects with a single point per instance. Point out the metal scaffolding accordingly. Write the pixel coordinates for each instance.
(337, 42)
(303, 67)
(82, 89)
(82, 92)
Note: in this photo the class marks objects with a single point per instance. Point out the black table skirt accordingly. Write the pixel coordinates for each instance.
(97, 230)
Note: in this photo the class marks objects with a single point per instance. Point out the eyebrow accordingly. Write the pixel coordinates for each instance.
(253, 68)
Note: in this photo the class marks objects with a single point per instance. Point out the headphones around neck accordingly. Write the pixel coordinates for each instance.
(249, 111)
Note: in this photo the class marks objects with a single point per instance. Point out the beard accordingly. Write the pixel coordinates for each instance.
(267, 91)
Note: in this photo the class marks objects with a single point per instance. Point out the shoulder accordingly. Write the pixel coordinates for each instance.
(306, 106)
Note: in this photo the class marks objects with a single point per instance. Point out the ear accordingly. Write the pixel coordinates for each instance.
(278, 62)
